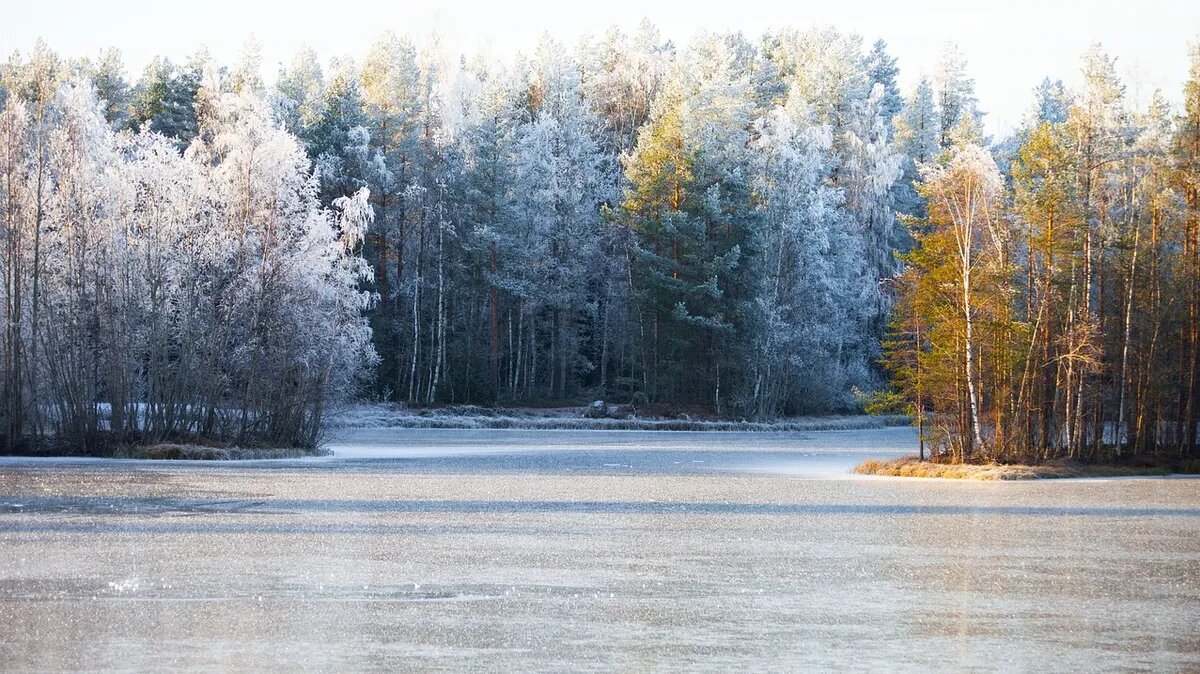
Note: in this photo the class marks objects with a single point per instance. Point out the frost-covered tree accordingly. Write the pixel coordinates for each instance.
(484, 106)
(558, 181)
(107, 75)
(164, 99)
(917, 138)
(299, 97)
(871, 170)
(1051, 102)
(393, 103)
(154, 295)
(622, 75)
(339, 141)
(918, 127)
(882, 70)
(246, 75)
(954, 90)
(812, 281)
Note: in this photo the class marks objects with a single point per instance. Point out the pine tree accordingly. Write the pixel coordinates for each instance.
(107, 76)
(1187, 180)
(955, 94)
(392, 99)
(338, 140)
(689, 204)
(882, 70)
(916, 137)
(299, 97)
(1047, 201)
(164, 100)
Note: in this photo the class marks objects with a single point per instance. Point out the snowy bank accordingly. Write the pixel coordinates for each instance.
(573, 418)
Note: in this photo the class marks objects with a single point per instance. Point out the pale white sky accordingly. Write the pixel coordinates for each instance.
(1011, 46)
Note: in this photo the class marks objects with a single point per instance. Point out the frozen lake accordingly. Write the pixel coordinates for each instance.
(552, 550)
(808, 454)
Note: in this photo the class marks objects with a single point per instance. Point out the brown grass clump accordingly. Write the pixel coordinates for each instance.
(910, 466)
(181, 452)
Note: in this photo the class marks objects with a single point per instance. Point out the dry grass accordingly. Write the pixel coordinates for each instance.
(910, 466)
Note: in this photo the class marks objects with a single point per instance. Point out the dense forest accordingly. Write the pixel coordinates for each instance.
(748, 227)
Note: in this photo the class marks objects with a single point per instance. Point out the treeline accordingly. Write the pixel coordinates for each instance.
(715, 225)
(702, 226)
(155, 294)
(1051, 306)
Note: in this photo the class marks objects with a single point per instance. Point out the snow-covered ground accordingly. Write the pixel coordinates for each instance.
(381, 415)
(551, 551)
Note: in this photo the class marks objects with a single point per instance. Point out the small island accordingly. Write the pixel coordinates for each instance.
(1047, 313)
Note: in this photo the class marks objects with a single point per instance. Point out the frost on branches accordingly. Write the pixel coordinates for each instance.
(152, 294)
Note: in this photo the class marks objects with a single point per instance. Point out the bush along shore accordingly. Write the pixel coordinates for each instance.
(189, 452)
(108, 445)
(911, 466)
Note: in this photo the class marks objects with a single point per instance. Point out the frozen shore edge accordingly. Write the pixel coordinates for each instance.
(395, 416)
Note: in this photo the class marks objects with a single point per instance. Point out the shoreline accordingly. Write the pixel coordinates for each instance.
(172, 451)
(190, 452)
(910, 466)
(468, 417)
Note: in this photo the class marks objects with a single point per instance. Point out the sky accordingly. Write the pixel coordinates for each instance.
(1010, 46)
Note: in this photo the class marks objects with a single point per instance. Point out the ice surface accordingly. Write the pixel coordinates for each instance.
(809, 454)
(518, 550)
